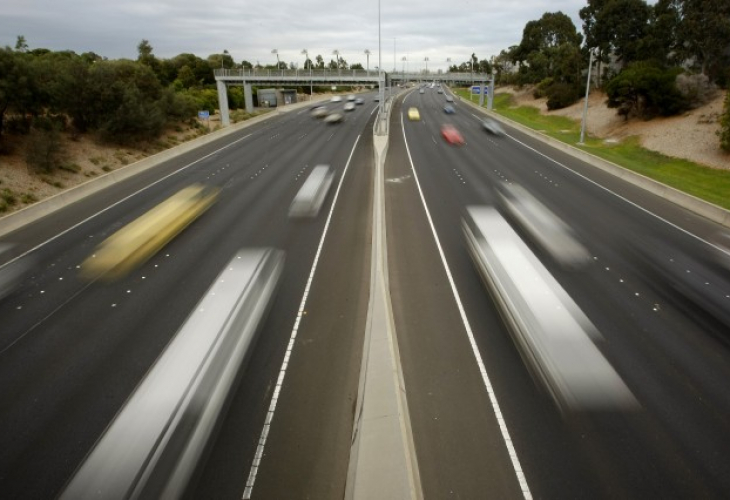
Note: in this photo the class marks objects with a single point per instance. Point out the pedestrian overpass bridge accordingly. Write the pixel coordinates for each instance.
(326, 77)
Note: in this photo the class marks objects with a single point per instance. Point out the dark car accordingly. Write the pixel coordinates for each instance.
(449, 109)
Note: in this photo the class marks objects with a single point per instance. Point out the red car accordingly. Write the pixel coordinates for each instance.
(452, 135)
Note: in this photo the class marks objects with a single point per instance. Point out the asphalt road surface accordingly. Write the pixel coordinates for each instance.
(72, 351)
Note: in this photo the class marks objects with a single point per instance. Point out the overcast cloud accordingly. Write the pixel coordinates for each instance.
(250, 29)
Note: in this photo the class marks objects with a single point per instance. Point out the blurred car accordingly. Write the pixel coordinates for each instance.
(449, 109)
(413, 114)
(544, 228)
(349, 106)
(359, 100)
(334, 118)
(351, 97)
(449, 98)
(336, 98)
(376, 98)
(492, 126)
(319, 112)
(421, 91)
(440, 90)
(132, 245)
(452, 135)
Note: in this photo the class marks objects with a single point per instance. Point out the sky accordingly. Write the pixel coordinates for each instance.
(252, 30)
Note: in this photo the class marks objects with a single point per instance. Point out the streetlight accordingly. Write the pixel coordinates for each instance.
(337, 54)
(585, 104)
(307, 60)
(275, 51)
(367, 54)
(223, 56)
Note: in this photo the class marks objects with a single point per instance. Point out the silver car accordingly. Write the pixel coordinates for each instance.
(492, 126)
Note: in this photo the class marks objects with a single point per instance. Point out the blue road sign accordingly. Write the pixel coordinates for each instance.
(204, 115)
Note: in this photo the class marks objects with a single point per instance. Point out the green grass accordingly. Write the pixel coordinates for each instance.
(709, 184)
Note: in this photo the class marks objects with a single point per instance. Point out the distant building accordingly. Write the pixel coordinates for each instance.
(270, 98)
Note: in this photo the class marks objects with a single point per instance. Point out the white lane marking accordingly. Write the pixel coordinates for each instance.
(480, 363)
(290, 347)
(126, 198)
(645, 210)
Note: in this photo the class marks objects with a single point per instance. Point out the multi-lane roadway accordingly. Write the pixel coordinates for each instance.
(72, 350)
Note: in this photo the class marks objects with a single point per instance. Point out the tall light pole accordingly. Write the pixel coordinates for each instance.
(585, 104)
(381, 89)
(337, 54)
(426, 59)
(306, 53)
(367, 55)
(276, 51)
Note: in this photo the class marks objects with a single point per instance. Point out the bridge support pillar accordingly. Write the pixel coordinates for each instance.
(223, 102)
(248, 97)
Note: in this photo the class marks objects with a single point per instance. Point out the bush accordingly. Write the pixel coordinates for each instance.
(45, 151)
(561, 95)
(645, 90)
(724, 131)
(541, 88)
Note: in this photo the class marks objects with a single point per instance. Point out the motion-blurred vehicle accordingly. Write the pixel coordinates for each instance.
(157, 442)
(552, 334)
(492, 126)
(413, 114)
(440, 90)
(319, 112)
(336, 98)
(349, 106)
(553, 236)
(359, 100)
(449, 109)
(351, 97)
(311, 195)
(449, 98)
(334, 117)
(452, 135)
(421, 91)
(139, 240)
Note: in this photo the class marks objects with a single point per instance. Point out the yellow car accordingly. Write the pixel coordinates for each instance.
(413, 114)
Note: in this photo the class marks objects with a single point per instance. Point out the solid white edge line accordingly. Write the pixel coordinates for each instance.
(480, 363)
(645, 210)
(290, 347)
(125, 199)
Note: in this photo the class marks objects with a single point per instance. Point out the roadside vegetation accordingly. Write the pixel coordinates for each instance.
(710, 184)
(651, 60)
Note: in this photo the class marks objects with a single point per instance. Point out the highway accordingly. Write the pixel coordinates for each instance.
(73, 350)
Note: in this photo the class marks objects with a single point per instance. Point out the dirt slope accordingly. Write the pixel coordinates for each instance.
(691, 136)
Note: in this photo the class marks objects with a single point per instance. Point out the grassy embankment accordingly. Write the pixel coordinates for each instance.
(707, 183)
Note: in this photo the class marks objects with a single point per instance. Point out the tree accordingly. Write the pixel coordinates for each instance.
(704, 33)
(541, 50)
(320, 62)
(18, 91)
(21, 45)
